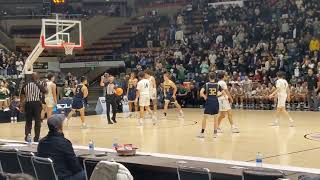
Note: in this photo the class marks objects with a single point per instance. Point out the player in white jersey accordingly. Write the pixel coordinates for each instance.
(283, 93)
(224, 104)
(153, 90)
(143, 94)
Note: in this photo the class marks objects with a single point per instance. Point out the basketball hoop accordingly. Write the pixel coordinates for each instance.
(68, 47)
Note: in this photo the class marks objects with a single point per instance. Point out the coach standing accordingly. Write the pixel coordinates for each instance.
(312, 82)
(31, 94)
(111, 98)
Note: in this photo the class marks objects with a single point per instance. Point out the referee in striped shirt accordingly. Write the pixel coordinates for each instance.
(31, 94)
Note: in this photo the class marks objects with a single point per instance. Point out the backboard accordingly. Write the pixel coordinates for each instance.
(55, 33)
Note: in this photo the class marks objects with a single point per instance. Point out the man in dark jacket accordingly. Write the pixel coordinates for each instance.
(60, 150)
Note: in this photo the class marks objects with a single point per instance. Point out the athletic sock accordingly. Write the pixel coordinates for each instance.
(215, 131)
(202, 130)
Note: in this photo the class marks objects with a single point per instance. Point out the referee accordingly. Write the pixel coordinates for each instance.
(31, 94)
(111, 98)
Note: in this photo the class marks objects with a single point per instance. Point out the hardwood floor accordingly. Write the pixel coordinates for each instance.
(282, 145)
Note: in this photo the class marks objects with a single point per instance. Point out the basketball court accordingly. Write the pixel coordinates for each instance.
(284, 145)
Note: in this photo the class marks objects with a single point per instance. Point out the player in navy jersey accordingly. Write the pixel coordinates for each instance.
(81, 92)
(132, 92)
(210, 94)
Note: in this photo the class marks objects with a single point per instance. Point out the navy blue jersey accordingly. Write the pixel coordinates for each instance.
(211, 90)
(79, 93)
(212, 104)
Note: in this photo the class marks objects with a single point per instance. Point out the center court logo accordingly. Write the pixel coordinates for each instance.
(313, 136)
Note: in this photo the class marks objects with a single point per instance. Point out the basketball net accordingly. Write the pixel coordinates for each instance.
(68, 47)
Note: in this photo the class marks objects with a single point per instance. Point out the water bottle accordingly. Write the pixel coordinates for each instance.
(91, 147)
(259, 160)
(115, 143)
(29, 139)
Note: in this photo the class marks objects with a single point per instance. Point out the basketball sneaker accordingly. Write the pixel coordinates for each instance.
(235, 130)
(140, 122)
(154, 120)
(180, 115)
(274, 123)
(84, 126)
(215, 135)
(291, 123)
(200, 135)
(219, 130)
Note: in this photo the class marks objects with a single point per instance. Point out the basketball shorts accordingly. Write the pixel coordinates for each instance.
(49, 102)
(211, 107)
(144, 100)
(169, 98)
(281, 101)
(224, 104)
(131, 95)
(77, 103)
(153, 93)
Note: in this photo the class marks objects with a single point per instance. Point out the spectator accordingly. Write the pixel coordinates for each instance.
(60, 150)
(19, 66)
(314, 45)
(204, 67)
(313, 88)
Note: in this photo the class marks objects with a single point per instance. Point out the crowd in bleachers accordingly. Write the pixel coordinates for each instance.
(254, 41)
(11, 63)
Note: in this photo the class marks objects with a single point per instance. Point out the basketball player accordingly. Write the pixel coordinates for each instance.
(224, 104)
(81, 92)
(51, 95)
(143, 94)
(283, 93)
(170, 91)
(209, 93)
(153, 90)
(131, 93)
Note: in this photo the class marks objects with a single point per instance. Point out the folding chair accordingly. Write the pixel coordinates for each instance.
(262, 174)
(89, 166)
(44, 168)
(9, 162)
(192, 173)
(25, 162)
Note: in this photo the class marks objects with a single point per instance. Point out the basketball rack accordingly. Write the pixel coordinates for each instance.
(56, 34)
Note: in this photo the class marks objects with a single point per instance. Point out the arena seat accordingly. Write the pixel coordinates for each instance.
(25, 162)
(261, 174)
(44, 168)
(191, 173)
(9, 162)
(89, 166)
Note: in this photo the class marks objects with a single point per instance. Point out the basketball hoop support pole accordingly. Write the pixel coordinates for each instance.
(28, 67)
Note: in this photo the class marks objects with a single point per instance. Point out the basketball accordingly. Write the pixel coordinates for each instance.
(119, 91)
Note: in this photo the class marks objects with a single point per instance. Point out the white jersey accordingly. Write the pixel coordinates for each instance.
(49, 94)
(144, 87)
(282, 86)
(223, 86)
(152, 86)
